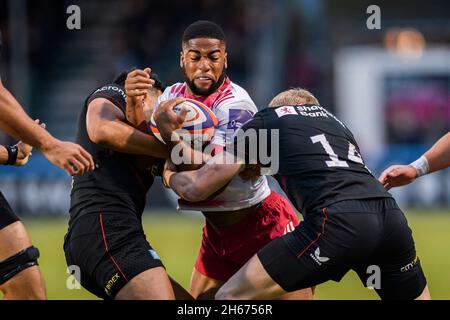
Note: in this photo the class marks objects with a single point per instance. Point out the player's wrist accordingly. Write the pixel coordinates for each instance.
(421, 165)
(13, 152)
(47, 144)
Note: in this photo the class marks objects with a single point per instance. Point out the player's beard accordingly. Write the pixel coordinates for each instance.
(199, 92)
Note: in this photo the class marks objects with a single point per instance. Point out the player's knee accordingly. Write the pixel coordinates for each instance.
(26, 285)
(37, 292)
(20, 277)
(152, 284)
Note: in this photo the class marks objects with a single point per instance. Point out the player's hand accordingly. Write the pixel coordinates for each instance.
(397, 175)
(137, 84)
(167, 120)
(23, 153)
(69, 156)
(24, 150)
(169, 169)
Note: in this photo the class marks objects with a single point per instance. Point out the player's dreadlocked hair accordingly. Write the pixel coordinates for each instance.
(120, 79)
(203, 29)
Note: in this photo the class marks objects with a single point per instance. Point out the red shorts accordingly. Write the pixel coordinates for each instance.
(225, 250)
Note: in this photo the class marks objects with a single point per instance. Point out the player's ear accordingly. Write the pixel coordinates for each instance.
(226, 60)
(181, 59)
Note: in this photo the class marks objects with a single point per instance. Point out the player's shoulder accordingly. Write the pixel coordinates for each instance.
(175, 90)
(265, 112)
(235, 97)
(112, 92)
(110, 89)
(239, 92)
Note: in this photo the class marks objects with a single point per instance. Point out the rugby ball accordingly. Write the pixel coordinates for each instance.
(199, 123)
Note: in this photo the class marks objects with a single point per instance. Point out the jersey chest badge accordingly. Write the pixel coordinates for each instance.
(284, 111)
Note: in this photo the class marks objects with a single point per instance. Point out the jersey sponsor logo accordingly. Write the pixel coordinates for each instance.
(317, 258)
(111, 283)
(238, 118)
(410, 265)
(315, 111)
(285, 111)
(113, 88)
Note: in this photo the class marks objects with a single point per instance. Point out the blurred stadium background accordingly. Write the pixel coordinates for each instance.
(391, 86)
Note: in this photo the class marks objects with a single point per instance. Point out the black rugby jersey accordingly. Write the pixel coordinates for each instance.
(120, 181)
(319, 160)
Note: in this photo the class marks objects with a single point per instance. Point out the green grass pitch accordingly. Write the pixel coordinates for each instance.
(176, 239)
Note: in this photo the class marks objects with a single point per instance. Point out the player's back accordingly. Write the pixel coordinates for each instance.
(318, 157)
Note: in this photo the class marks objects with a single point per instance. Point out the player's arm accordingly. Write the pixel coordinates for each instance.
(137, 86)
(68, 156)
(106, 126)
(198, 185)
(18, 154)
(18, 124)
(438, 156)
(435, 159)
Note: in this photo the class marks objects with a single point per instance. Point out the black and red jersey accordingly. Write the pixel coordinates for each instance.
(319, 161)
(120, 181)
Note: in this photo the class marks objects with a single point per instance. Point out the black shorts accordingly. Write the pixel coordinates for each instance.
(109, 249)
(7, 215)
(369, 236)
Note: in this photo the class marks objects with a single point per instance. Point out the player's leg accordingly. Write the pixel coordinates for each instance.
(203, 287)
(303, 294)
(401, 274)
(115, 259)
(180, 292)
(136, 265)
(20, 277)
(211, 269)
(18, 255)
(152, 284)
(425, 295)
(225, 249)
(280, 218)
(251, 282)
(298, 260)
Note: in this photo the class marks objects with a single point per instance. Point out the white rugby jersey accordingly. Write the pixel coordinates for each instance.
(233, 107)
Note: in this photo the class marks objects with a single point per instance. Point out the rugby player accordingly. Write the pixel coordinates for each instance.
(20, 277)
(105, 238)
(350, 220)
(435, 159)
(245, 215)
